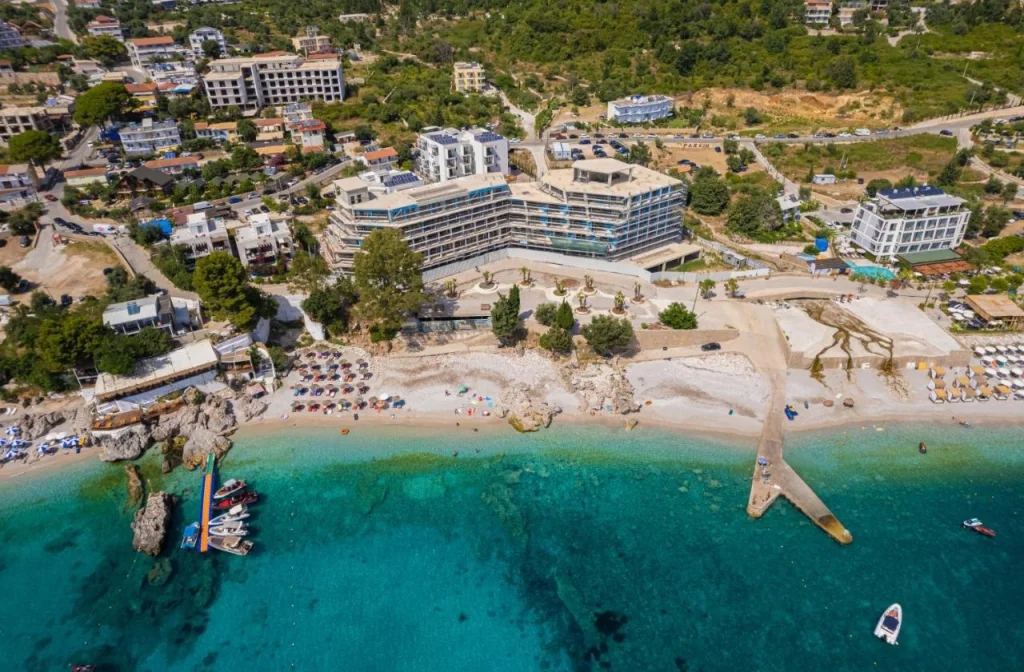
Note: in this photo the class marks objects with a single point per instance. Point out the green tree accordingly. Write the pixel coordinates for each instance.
(606, 334)
(752, 116)
(100, 103)
(244, 157)
(39, 147)
(546, 313)
(211, 49)
(755, 214)
(876, 185)
(40, 302)
(330, 305)
(222, 285)
(706, 286)
(639, 154)
(9, 280)
(246, 128)
(564, 318)
(1009, 192)
(709, 194)
(307, 273)
(556, 340)
(843, 72)
(388, 278)
(677, 316)
(105, 49)
(978, 284)
(505, 318)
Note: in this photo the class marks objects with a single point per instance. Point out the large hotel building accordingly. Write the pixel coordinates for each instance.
(600, 208)
(273, 79)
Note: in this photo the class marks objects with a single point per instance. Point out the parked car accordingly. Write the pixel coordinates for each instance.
(60, 221)
(711, 347)
(50, 197)
(623, 135)
(25, 241)
(235, 199)
(945, 131)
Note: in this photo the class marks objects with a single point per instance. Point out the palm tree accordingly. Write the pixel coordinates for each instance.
(581, 298)
(588, 282)
(525, 272)
(487, 278)
(559, 287)
(637, 295)
(732, 285)
(451, 288)
(620, 302)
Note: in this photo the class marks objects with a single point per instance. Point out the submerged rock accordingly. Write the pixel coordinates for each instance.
(135, 488)
(160, 573)
(150, 524)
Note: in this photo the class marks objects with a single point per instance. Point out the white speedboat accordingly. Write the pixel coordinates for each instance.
(888, 628)
(233, 529)
(230, 487)
(234, 514)
(233, 545)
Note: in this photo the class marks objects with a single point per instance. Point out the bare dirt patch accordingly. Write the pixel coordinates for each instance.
(75, 269)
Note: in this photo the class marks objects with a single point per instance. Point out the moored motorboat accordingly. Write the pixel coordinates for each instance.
(234, 514)
(233, 545)
(234, 529)
(230, 487)
(975, 524)
(191, 536)
(888, 628)
(244, 498)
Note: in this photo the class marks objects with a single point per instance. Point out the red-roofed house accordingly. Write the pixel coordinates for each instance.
(85, 177)
(173, 166)
(269, 129)
(310, 133)
(382, 159)
(105, 25)
(145, 50)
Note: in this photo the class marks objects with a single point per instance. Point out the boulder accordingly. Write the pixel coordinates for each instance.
(631, 424)
(202, 442)
(246, 408)
(126, 444)
(525, 413)
(36, 425)
(150, 524)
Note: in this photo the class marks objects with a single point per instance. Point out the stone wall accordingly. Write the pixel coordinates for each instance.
(655, 339)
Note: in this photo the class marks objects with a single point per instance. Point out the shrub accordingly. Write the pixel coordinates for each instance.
(546, 314)
(677, 316)
(605, 333)
(556, 340)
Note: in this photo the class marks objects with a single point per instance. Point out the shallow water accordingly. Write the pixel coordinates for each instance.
(575, 549)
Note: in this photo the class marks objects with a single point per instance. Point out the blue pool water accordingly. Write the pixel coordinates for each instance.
(873, 272)
(574, 549)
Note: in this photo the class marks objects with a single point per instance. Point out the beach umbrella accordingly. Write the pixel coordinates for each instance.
(979, 351)
(1001, 349)
(762, 461)
(990, 350)
(383, 396)
(463, 389)
(990, 372)
(1001, 359)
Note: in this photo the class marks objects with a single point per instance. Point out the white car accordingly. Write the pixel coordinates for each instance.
(844, 134)
(513, 141)
(760, 136)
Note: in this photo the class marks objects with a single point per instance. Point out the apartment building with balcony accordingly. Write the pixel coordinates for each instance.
(273, 79)
(380, 159)
(206, 34)
(265, 242)
(149, 137)
(18, 183)
(638, 109)
(817, 12)
(600, 208)
(309, 133)
(311, 42)
(105, 25)
(146, 50)
(10, 36)
(468, 77)
(15, 120)
(914, 219)
(201, 237)
(450, 154)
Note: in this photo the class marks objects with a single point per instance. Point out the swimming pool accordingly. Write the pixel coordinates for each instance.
(873, 272)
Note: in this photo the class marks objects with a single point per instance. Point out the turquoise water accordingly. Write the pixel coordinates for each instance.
(574, 549)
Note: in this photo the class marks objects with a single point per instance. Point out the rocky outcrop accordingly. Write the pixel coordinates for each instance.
(150, 524)
(36, 425)
(201, 427)
(125, 444)
(524, 412)
(599, 385)
(201, 442)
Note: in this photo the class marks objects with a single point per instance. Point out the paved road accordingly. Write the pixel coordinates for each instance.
(60, 23)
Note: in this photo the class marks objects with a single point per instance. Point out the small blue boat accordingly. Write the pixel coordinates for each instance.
(191, 536)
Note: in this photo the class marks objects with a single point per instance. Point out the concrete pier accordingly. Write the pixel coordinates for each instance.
(784, 481)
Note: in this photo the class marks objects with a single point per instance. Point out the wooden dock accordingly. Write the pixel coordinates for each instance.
(207, 500)
(783, 480)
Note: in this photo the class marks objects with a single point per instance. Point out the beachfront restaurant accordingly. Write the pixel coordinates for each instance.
(996, 309)
(155, 377)
(450, 316)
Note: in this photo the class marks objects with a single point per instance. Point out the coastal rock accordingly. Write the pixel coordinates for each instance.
(126, 444)
(631, 424)
(201, 442)
(150, 524)
(525, 413)
(248, 408)
(600, 385)
(36, 425)
(135, 488)
(828, 403)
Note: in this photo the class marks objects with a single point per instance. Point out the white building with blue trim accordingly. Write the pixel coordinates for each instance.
(639, 109)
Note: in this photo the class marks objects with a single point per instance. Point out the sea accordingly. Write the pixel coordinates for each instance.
(578, 548)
